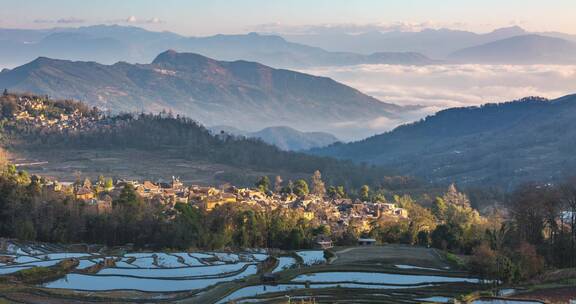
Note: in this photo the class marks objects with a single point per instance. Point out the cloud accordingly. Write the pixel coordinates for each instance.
(436, 87)
(135, 20)
(353, 28)
(68, 20)
(43, 21)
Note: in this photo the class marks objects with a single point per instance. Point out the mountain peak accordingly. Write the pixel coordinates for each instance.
(511, 30)
(172, 57)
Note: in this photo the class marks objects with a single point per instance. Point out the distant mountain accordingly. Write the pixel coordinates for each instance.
(285, 138)
(496, 144)
(110, 44)
(526, 49)
(434, 43)
(241, 94)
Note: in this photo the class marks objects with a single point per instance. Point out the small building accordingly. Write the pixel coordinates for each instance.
(309, 215)
(84, 194)
(269, 277)
(366, 242)
(322, 242)
(401, 212)
(104, 205)
(212, 202)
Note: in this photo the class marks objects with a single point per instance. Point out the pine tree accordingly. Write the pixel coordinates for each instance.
(318, 187)
(278, 184)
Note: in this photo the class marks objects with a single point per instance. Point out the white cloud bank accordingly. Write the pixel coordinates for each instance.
(442, 86)
(437, 87)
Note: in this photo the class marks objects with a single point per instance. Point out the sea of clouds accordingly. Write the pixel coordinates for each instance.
(436, 87)
(442, 86)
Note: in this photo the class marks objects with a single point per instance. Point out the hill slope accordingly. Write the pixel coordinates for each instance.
(63, 137)
(240, 93)
(526, 49)
(285, 138)
(497, 144)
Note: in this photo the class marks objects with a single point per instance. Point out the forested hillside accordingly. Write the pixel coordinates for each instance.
(532, 139)
(39, 128)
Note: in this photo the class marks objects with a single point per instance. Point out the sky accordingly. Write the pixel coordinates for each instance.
(202, 17)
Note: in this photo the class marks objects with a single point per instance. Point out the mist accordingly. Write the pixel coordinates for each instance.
(436, 87)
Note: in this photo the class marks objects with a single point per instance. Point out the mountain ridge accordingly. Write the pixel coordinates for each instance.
(285, 138)
(495, 144)
(109, 44)
(239, 93)
(525, 49)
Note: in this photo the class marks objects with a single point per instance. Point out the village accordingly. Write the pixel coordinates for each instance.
(339, 214)
(41, 114)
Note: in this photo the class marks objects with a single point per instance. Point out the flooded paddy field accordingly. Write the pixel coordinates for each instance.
(384, 274)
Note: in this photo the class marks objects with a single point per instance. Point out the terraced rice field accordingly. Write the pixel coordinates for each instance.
(387, 274)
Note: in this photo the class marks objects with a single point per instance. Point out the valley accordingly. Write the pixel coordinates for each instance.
(279, 152)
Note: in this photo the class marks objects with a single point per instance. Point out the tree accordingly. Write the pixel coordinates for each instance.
(278, 184)
(263, 184)
(101, 180)
(108, 184)
(439, 209)
(9, 107)
(25, 230)
(530, 263)
(336, 192)
(288, 189)
(301, 188)
(365, 193)
(3, 159)
(296, 238)
(422, 238)
(128, 197)
(445, 237)
(455, 198)
(483, 262)
(318, 187)
(87, 183)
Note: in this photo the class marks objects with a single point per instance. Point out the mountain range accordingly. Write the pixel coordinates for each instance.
(240, 94)
(285, 138)
(525, 49)
(110, 44)
(532, 139)
(434, 43)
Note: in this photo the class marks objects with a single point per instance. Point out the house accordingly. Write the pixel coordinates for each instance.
(150, 187)
(201, 193)
(84, 194)
(22, 115)
(366, 242)
(309, 215)
(176, 183)
(104, 205)
(211, 202)
(401, 212)
(322, 242)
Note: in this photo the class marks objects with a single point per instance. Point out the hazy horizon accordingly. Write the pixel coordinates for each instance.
(225, 17)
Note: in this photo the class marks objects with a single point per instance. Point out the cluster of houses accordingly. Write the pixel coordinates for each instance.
(340, 215)
(40, 114)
